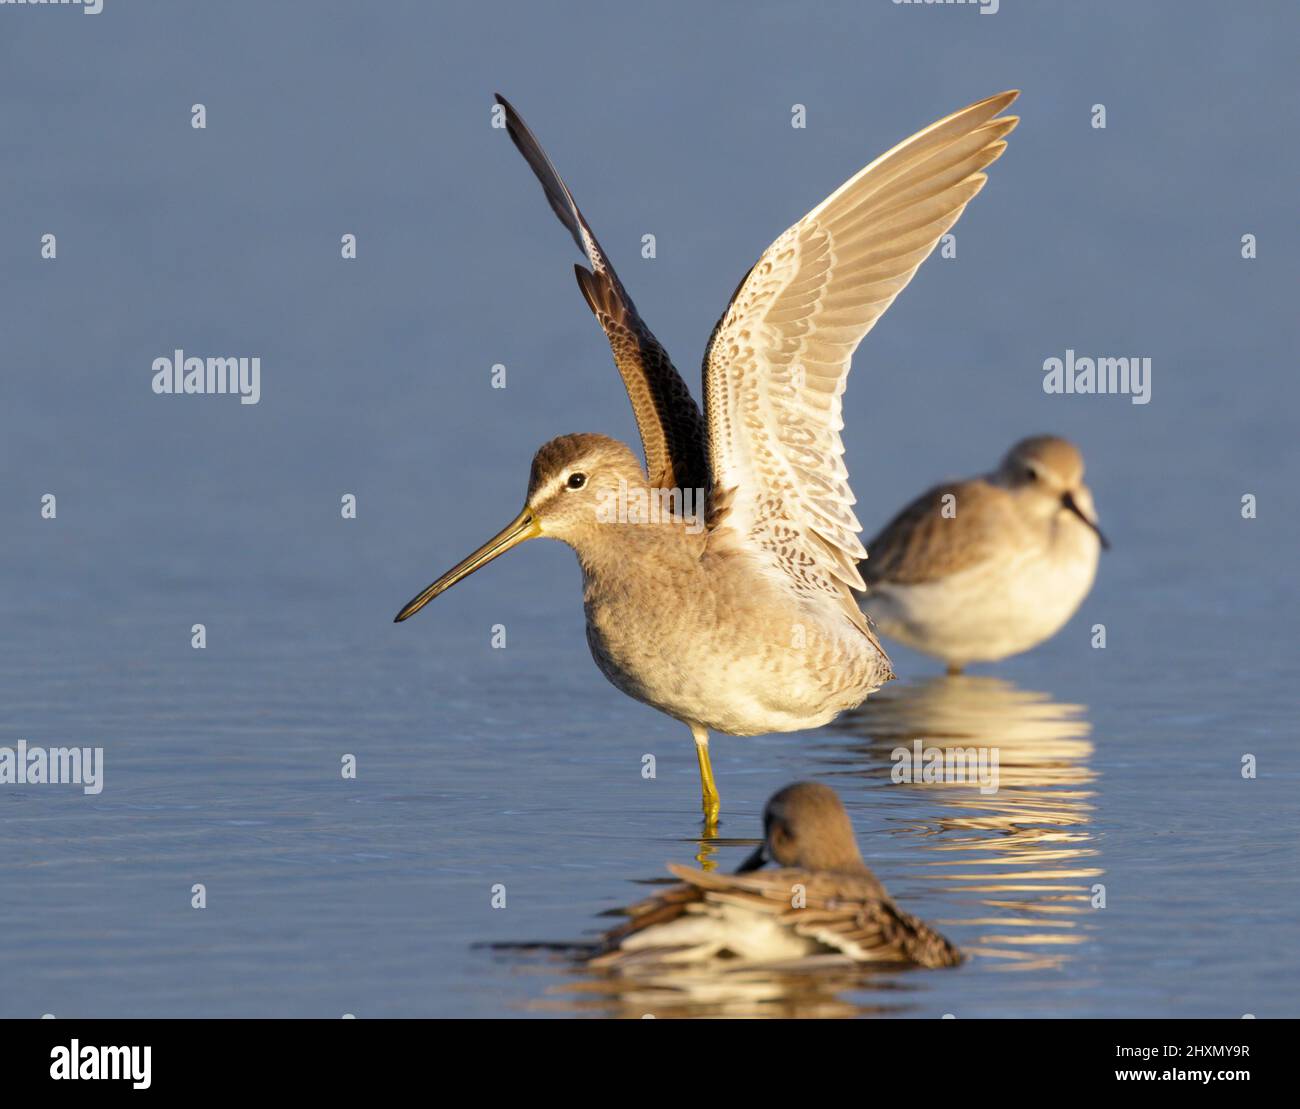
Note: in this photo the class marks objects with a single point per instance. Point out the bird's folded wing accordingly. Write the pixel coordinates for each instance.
(947, 529)
(848, 913)
(778, 361)
(880, 931)
(672, 430)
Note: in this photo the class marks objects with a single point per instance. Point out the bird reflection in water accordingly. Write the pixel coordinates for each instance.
(1025, 854)
(1019, 864)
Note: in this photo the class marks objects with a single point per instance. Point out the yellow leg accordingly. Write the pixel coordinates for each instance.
(709, 792)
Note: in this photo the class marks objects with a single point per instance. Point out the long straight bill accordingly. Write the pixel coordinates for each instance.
(522, 527)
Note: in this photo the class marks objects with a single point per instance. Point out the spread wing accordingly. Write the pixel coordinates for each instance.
(672, 431)
(778, 361)
(933, 537)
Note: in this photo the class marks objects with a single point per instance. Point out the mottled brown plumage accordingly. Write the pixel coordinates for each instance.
(672, 430)
(823, 899)
(739, 616)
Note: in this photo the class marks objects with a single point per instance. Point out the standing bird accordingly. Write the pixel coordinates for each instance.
(822, 901)
(977, 570)
(742, 619)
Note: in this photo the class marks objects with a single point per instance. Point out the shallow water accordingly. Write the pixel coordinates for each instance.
(521, 767)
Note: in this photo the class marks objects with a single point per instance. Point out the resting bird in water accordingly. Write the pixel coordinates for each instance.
(743, 620)
(974, 571)
(822, 901)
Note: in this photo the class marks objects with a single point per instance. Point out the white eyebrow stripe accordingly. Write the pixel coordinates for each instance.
(553, 486)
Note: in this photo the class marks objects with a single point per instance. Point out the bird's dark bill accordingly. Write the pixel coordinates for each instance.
(524, 526)
(1073, 506)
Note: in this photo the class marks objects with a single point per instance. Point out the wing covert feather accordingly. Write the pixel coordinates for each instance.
(923, 543)
(778, 361)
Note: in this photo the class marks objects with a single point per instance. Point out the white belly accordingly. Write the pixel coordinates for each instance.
(987, 612)
(738, 677)
(712, 929)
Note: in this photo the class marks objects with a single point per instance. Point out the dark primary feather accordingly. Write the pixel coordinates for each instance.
(671, 427)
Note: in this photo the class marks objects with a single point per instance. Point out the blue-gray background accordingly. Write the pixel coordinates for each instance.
(522, 766)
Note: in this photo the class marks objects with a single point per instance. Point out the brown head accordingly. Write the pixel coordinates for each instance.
(1045, 474)
(805, 826)
(570, 488)
(574, 477)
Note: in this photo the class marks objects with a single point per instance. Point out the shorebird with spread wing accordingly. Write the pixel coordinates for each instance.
(743, 622)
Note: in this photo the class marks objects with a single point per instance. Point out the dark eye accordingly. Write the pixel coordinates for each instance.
(577, 481)
(1031, 474)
